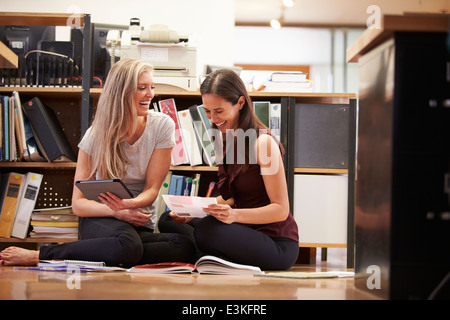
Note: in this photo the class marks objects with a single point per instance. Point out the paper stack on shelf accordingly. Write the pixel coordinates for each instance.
(59, 222)
(288, 82)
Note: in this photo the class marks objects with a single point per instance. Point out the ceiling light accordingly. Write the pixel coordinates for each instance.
(274, 23)
(288, 3)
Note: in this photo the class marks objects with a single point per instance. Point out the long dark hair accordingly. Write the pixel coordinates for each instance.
(228, 85)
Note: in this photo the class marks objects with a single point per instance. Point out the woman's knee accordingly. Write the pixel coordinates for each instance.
(129, 250)
(207, 233)
(165, 222)
(185, 248)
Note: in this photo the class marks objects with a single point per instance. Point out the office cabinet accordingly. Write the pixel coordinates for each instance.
(321, 132)
(320, 207)
(321, 143)
(402, 225)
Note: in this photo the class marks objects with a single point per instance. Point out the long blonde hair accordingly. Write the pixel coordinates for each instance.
(114, 115)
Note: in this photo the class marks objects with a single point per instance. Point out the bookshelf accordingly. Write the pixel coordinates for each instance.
(71, 106)
(186, 99)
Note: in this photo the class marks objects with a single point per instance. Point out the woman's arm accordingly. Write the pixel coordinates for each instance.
(80, 205)
(272, 171)
(221, 200)
(157, 170)
(112, 206)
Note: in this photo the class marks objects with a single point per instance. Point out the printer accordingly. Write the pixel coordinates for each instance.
(173, 60)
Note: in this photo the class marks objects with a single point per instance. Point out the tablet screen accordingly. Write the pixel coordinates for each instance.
(91, 189)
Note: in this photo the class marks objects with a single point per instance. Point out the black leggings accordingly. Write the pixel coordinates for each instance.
(118, 243)
(235, 242)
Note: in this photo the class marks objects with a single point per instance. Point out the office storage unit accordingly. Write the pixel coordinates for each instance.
(402, 225)
(321, 209)
(321, 133)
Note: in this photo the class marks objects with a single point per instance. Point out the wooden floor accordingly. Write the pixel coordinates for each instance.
(30, 285)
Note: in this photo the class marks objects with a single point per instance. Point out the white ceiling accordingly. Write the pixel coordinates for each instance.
(329, 12)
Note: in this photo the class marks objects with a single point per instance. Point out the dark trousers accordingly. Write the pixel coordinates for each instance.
(235, 242)
(118, 243)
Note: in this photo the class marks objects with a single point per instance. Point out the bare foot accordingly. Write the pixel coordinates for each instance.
(15, 256)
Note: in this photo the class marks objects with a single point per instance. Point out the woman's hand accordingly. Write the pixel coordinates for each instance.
(179, 219)
(135, 217)
(222, 212)
(123, 209)
(114, 202)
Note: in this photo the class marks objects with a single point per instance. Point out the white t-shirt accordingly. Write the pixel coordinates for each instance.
(159, 133)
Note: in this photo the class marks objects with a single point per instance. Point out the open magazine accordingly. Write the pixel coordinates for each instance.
(206, 264)
(72, 265)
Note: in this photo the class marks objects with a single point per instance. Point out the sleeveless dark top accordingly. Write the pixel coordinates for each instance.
(248, 191)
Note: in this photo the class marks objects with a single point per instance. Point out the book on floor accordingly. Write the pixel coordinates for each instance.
(307, 275)
(205, 265)
(72, 265)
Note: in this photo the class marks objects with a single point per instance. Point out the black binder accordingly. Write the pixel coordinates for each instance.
(48, 132)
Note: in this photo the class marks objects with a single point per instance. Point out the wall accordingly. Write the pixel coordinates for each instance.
(209, 22)
(322, 49)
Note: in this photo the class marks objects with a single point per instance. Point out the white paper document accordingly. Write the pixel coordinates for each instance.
(186, 206)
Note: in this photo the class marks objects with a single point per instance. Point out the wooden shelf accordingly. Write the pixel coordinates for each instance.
(41, 19)
(72, 165)
(95, 92)
(322, 245)
(321, 170)
(47, 165)
(395, 23)
(49, 89)
(37, 240)
(57, 92)
(193, 168)
(303, 97)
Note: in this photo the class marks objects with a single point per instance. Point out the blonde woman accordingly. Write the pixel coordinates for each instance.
(125, 141)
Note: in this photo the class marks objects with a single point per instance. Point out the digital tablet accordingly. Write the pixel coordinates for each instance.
(91, 189)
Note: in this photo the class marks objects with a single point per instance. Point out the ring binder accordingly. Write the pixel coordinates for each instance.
(48, 132)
